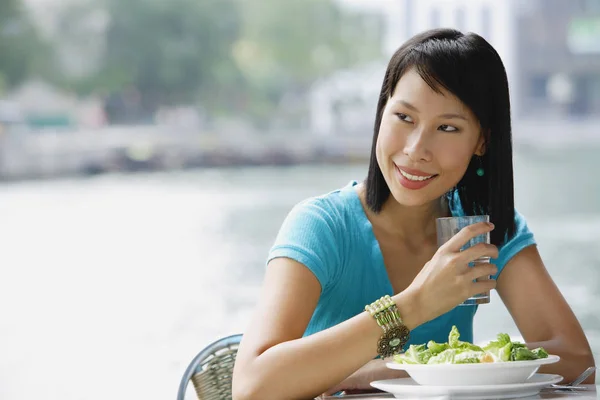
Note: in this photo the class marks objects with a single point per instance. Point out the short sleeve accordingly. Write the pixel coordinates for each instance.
(523, 238)
(309, 235)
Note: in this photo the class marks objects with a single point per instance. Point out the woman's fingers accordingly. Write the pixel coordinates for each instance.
(456, 242)
(481, 287)
(480, 250)
(481, 270)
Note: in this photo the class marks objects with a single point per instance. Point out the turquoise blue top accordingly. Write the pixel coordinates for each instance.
(332, 236)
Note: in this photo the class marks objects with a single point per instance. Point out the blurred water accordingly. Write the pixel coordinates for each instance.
(111, 285)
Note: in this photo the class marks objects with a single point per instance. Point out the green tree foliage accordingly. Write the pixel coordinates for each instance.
(285, 46)
(170, 50)
(298, 41)
(231, 57)
(22, 52)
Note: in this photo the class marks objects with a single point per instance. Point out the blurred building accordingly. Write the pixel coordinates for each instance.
(558, 53)
(550, 48)
(346, 102)
(494, 20)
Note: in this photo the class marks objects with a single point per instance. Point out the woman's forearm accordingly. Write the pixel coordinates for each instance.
(574, 359)
(374, 370)
(306, 367)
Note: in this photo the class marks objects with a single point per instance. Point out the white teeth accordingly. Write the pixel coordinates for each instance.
(414, 177)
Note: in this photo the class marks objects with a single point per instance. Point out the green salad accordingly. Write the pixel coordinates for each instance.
(457, 352)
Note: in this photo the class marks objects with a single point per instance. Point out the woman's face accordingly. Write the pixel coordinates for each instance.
(426, 141)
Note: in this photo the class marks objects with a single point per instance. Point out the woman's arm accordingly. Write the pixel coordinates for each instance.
(542, 315)
(275, 362)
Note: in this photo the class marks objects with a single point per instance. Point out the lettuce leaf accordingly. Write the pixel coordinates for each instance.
(540, 352)
(416, 354)
(454, 343)
(457, 356)
(468, 357)
(445, 357)
(436, 348)
(501, 348)
(521, 354)
(453, 337)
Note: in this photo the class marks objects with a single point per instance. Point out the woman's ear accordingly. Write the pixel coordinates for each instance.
(482, 143)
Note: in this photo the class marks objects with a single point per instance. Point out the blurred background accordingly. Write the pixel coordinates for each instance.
(150, 149)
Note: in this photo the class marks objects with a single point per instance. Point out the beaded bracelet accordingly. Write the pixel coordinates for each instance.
(395, 333)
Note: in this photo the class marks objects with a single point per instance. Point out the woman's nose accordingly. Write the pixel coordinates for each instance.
(416, 146)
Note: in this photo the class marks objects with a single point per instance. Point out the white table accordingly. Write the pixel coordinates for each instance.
(590, 394)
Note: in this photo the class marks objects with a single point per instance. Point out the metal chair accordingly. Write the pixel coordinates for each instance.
(211, 370)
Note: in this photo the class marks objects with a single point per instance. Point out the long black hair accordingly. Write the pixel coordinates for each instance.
(467, 66)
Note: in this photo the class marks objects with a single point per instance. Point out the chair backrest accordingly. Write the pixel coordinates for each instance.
(211, 370)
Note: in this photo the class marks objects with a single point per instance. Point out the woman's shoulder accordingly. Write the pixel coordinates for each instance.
(335, 207)
(324, 223)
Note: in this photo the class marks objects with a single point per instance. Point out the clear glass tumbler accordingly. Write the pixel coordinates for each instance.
(450, 226)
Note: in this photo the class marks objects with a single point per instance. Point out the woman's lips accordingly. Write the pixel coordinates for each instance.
(413, 179)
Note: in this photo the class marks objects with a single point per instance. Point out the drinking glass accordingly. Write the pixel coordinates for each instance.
(448, 227)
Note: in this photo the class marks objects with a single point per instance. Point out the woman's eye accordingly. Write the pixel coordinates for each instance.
(448, 128)
(404, 117)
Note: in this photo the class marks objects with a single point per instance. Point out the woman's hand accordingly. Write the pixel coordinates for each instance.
(447, 280)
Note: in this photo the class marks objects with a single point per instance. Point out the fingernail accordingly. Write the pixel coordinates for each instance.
(491, 224)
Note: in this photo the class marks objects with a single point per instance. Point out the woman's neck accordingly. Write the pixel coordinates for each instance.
(413, 224)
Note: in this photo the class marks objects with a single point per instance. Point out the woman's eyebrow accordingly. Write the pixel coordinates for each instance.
(446, 115)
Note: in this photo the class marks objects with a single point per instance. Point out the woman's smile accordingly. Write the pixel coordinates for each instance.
(413, 179)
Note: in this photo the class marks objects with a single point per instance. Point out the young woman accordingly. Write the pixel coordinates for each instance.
(441, 147)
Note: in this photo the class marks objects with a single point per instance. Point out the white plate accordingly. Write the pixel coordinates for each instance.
(407, 387)
(498, 373)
